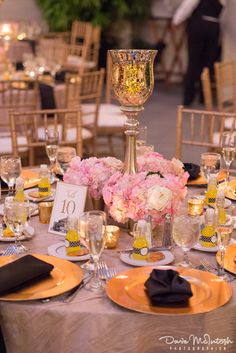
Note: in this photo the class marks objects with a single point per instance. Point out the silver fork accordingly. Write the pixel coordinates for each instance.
(10, 250)
(209, 266)
(214, 269)
(106, 272)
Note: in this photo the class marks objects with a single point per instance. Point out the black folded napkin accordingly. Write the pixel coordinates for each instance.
(47, 96)
(192, 169)
(22, 272)
(167, 287)
(3, 184)
(61, 76)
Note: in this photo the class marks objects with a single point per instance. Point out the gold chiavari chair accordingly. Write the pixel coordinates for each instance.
(225, 75)
(86, 90)
(201, 128)
(20, 95)
(81, 32)
(207, 89)
(52, 49)
(33, 125)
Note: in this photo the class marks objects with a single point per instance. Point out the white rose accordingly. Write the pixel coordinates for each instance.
(113, 163)
(158, 197)
(177, 165)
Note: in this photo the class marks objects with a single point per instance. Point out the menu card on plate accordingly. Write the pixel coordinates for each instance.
(69, 201)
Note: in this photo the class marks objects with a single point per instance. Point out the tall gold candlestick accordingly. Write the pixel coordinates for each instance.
(132, 82)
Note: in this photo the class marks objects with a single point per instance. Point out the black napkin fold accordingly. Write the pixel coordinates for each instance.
(192, 169)
(3, 184)
(47, 96)
(167, 287)
(22, 272)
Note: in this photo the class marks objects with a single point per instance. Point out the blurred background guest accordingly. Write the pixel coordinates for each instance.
(203, 31)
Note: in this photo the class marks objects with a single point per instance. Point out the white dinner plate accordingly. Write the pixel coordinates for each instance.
(58, 250)
(36, 199)
(199, 247)
(169, 257)
(28, 233)
(33, 209)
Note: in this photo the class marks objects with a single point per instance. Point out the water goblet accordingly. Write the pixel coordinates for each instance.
(210, 164)
(96, 234)
(228, 150)
(10, 171)
(224, 229)
(89, 265)
(16, 215)
(64, 157)
(52, 141)
(185, 233)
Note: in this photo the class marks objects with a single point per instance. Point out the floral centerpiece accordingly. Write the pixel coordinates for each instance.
(92, 172)
(155, 190)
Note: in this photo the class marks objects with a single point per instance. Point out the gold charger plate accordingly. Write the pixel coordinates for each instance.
(64, 277)
(230, 189)
(202, 181)
(230, 258)
(127, 290)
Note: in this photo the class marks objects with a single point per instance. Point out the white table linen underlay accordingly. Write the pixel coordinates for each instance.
(92, 323)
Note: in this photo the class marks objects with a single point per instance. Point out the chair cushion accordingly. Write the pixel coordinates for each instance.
(228, 123)
(71, 134)
(6, 144)
(110, 115)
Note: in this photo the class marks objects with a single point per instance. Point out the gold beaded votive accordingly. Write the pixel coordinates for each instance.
(45, 211)
(195, 206)
(112, 236)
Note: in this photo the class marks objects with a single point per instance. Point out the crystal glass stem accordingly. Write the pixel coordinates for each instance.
(221, 272)
(186, 262)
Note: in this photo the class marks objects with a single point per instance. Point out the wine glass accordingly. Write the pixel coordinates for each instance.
(228, 149)
(89, 265)
(224, 229)
(10, 171)
(64, 157)
(52, 141)
(185, 233)
(96, 235)
(16, 215)
(141, 136)
(210, 164)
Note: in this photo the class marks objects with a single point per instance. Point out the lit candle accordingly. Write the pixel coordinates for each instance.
(112, 236)
(195, 206)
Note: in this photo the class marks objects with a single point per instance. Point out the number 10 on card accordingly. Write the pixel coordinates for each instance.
(69, 201)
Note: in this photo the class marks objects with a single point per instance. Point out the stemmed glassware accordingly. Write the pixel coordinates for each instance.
(89, 265)
(15, 216)
(10, 171)
(95, 226)
(228, 149)
(52, 141)
(210, 164)
(185, 233)
(224, 229)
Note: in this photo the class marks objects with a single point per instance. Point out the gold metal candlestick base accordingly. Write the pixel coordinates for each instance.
(132, 81)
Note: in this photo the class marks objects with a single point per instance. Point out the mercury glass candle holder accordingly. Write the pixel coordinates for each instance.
(132, 81)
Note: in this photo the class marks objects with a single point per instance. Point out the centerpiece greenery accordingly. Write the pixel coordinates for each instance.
(60, 14)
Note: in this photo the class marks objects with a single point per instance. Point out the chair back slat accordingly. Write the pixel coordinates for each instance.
(201, 128)
(32, 135)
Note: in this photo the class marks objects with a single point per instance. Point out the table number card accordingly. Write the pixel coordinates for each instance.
(69, 201)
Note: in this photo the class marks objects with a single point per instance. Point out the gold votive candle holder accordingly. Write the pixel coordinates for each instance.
(196, 206)
(45, 211)
(112, 236)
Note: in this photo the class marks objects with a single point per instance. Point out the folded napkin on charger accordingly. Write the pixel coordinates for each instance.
(192, 169)
(22, 272)
(167, 287)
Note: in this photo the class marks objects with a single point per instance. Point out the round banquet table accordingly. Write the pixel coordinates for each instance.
(92, 323)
